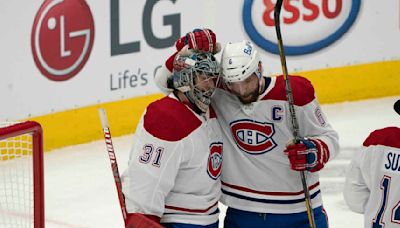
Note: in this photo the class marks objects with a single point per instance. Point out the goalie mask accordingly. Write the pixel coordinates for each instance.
(196, 76)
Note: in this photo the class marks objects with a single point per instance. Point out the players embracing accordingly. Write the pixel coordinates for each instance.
(261, 183)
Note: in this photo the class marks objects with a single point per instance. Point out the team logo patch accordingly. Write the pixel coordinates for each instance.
(215, 160)
(253, 137)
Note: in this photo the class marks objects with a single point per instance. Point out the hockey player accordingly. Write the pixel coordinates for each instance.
(174, 168)
(373, 180)
(261, 184)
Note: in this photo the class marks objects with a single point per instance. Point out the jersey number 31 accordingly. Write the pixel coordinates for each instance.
(148, 154)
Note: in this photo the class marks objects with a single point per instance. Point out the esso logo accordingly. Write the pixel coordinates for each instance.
(307, 25)
(62, 38)
(253, 137)
(214, 165)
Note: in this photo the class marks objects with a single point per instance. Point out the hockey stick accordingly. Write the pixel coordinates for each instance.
(140, 221)
(289, 96)
(113, 160)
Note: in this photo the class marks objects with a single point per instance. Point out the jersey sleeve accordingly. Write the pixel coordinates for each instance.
(152, 169)
(160, 79)
(314, 124)
(356, 192)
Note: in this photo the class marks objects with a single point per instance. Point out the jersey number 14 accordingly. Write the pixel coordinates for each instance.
(395, 215)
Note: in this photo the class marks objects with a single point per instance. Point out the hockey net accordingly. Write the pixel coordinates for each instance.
(21, 175)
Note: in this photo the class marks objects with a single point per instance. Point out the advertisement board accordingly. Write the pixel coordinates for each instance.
(60, 55)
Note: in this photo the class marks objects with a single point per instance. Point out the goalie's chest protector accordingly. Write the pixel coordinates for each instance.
(256, 172)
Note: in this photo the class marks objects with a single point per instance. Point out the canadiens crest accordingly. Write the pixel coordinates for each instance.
(214, 165)
(253, 137)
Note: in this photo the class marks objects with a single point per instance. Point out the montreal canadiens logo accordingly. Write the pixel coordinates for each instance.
(307, 26)
(253, 137)
(215, 160)
(62, 38)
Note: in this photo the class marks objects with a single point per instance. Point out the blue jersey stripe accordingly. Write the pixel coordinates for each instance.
(269, 200)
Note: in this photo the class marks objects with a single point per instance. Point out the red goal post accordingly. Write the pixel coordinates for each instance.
(21, 175)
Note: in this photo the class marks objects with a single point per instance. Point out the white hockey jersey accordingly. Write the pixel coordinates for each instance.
(175, 164)
(373, 180)
(256, 175)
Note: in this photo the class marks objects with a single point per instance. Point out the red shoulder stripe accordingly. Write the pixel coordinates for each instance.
(389, 136)
(170, 120)
(302, 89)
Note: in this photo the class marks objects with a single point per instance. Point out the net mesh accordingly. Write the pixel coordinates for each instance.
(16, 181)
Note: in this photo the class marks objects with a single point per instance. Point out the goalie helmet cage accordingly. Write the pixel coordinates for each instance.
(21, 175)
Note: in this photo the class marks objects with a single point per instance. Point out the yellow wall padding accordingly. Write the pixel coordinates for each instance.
(358, 82)
(332, 85)
(83, 125)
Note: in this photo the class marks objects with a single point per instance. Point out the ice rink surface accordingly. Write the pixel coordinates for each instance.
(80, 189)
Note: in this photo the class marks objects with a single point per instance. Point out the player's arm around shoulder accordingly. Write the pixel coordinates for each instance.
(356, 192)
(161, 79)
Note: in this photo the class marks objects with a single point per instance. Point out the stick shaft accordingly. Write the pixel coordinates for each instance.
(113, 161)
(289, 96)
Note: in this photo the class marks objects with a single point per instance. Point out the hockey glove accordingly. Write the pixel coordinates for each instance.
(137, 220)
(199, 40)
(308, 154)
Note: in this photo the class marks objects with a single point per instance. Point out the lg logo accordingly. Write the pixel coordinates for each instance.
(170, 20)
(63, 34)
(62, 38)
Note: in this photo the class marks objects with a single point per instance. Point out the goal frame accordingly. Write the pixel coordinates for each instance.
(37, 156)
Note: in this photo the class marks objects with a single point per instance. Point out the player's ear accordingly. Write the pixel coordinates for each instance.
(260, 67)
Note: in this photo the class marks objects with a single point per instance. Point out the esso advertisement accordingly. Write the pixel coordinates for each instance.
(307, 26)
(62, 38)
